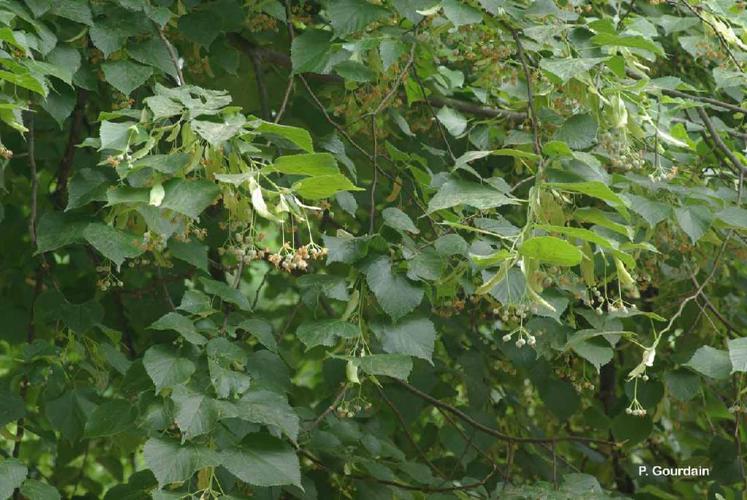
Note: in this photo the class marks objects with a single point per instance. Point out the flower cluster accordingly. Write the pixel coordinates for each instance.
(635, 409)
(525, 338)
(298, 259)
(736, 408)
(108, 281)
(599, 302)
(511, 313)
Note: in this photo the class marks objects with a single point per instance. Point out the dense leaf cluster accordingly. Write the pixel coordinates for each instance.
(371, 248)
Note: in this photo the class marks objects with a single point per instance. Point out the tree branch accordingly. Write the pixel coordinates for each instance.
(718, 141)
(534, 120)
(494, 432)
(64, 170)
(173, 56)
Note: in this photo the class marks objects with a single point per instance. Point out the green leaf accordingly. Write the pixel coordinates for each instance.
(195, 302)
(263, 461)
(682, 384)
(298, 136)
(458, 192)
(38, 490)
(60, 105)
(268, 408)
(514, 153)
(394, 293)
(565, 69)
(733, 216)
(551, 250)
(390, 51)
(12, 407)
(454, 122)
(350, 16)
(115, 136)
(652, 212)
(216, 133)
(223, 356)
(192, 252)
(738, 354)
(87, 185)
(578, 131)
(413, 337)
(262, 330)
(603, 219)
(577, 232)
(226, 293)
(125, 194)
(75, 10)
(594, 352)
(630, 428)
(126, 76)
(68, 412)
(347, 249)
(196, 413)
(163, 107)
(355, 71)
(305, 164)
(396, 218)
(56, 230)
(694, 220)
(594, 189)
(325, 332)
(201, 26)
(310, 53)
(113, 244)
(180, 324)
(711, 362)
(12, 474)
(171, 462)
(189, 197)
(323, 186)
(166, 366)
(171, 164)
(559, 397)
(637, 42)
(110, 418)
(389, 365)
(460, 13)
(26, 81)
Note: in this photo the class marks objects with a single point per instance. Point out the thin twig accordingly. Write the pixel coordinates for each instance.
(259, 80)
(728, 324)
(34, 180)
(398, 81)
(259, 289)
(330, 408)
(286, 98)
(164, 288)
(721, 38)
(375, 181)
(235, 286)
(491, 431)
(38, 281)
(397, 484)
(477, 109)
(740, 167)
(173, 56)
(533, 118)
(433, 113)
(65, 167)
(718, 141)
(409, 435)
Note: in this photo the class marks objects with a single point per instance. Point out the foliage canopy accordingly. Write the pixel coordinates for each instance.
(371, 249)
